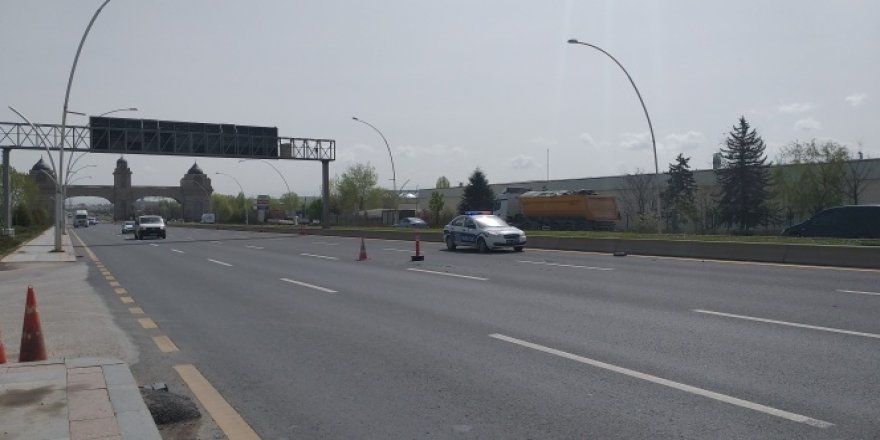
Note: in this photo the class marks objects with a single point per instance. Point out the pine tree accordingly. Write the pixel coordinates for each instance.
(477, 194)
(678, 199)
(744, 179)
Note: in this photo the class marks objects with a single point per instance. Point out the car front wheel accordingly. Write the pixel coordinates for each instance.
(518, 248)
(481, 245)
(450, 244)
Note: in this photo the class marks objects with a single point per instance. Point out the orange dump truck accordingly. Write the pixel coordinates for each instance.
(560, 210)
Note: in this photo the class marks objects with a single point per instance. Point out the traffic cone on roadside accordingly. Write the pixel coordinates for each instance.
(363, 255)
(2, 350)
(32, 346)
(418, 256)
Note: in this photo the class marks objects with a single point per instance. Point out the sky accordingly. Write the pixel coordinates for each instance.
(453, 85)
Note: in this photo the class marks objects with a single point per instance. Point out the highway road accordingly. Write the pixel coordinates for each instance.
(306, 342)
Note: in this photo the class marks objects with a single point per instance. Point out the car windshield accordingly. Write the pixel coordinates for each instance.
(129, 223)
(490, 221)
(150, 220)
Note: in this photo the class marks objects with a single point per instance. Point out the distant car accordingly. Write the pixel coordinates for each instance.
(412, 222)
(484, 231)
(93, 221)
(853, 221)
(149, 225)
(128, 227)
(208, 218)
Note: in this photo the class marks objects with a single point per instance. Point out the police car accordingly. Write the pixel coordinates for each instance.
(483, 231)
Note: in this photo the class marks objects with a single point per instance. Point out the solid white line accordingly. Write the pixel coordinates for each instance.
(319, 256)
(668, 383)
(325, 243)
(398, 250)
(311, 286)
(254, 247)
(154, 244)
(448, 274)
(859, 292)
(216, 242)
(544, 263)
(175, 250)
(219, 262)
(790, 324)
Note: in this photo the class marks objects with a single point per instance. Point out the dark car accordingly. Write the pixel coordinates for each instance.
(412, 222)
(854, 221)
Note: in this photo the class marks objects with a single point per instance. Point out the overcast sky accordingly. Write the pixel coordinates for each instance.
(453, 85)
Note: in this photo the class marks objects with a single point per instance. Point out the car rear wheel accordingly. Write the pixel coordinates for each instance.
(481, 245)
(450, 244)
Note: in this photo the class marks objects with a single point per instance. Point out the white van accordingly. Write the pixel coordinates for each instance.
(208, 218)
(81, 218)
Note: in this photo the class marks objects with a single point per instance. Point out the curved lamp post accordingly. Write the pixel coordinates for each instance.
(393, 173)
(290, 199)
(129, 109)
(650, 126)
(242, 193)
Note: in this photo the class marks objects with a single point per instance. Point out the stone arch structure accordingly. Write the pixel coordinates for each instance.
(193, 193)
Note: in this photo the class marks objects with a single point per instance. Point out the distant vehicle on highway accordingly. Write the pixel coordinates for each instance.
(149, 225)
(128, 227)
(411, 222)
(93, 220)
(483, 231)
(81, 218)
(208, 218)
(852, 221)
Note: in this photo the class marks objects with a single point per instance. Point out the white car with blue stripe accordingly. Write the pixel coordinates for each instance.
(484, 231)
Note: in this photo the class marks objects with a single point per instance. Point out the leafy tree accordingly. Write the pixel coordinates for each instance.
(355, 187)
(744, 179)
(478, 196)
(638, 200)
(288, 202)
(815, 179)
(856, 177)
(442, 183)
(435, 206)
(315, 209)
(678, 199)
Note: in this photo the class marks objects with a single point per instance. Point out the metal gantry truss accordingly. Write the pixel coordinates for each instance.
(78, 138)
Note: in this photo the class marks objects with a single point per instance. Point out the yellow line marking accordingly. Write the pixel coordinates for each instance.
(92, 255)
(121, 291)
(127, 299)
(147, 323)
(232, 424)
(165, 345)
(136, 310)
(114, 283)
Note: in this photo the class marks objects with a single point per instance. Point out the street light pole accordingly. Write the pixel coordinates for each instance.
(242, 194)
(59, 193)
(128, 109)
(650, 126)
(393, 173)
(290, 198)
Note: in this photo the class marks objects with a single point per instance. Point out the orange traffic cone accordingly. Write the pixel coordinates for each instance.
(2, 350)
(32, 346)
(363, 255)
(418, 256)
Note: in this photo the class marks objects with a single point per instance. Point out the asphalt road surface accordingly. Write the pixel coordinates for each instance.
(306, 342)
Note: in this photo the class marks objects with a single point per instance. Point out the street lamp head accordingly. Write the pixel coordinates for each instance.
(573, 41)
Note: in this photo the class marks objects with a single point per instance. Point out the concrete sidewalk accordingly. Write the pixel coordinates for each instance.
(41, 249)
(79, 393)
